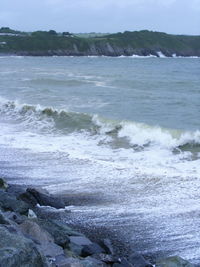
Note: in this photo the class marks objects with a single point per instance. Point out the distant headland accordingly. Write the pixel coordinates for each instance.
(128, 43)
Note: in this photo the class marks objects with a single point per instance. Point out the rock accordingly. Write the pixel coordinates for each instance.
(35, 232)
(12, 228)
(75, 249)
(138, 260)
(123, 263)
(109, 259)
(68, 262)
(3, 184)
(50, 250)
(31, 214)
(16, 250)
(16, 189)
(44, 241)
(91, 262)
(45, 199)
(89, 250)
(59, 231)
(107, 246)
(9, 202)
(29, 199)
(15, 217)
(67, 229)
(3, 220)
(173, 262)
(20, 192)
(47, 213)
(77, 243)
(62, 261)
(69, 253)
(80, 240)
(42, 190)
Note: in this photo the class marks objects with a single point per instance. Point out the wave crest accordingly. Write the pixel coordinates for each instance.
(125, 134)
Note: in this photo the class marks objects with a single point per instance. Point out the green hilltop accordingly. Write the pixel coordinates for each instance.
(48, 43)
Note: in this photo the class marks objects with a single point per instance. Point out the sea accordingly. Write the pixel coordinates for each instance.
(123, 130)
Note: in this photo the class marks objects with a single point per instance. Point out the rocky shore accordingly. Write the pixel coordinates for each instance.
(30, 236)
(127, 43)
(105, 50)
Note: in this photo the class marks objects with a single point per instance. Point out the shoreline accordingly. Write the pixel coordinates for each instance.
(55, 54)
(83, 247)
(45, 208)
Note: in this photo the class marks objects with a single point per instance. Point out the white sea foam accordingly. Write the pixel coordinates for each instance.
(92, 56)
(160, 54)
(150, 149)
(137, 56)
(139, 134)
(154, 160)
(148, 56)
(175, 56)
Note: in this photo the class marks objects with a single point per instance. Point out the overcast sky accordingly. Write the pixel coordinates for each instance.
(171, 16)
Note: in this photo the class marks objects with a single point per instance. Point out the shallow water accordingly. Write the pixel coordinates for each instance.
(123, 129)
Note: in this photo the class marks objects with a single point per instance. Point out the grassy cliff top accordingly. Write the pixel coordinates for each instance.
(12, 41)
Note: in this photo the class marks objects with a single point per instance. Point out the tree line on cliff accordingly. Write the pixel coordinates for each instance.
(127, 43)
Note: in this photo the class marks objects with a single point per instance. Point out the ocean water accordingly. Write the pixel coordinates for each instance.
(125, 130)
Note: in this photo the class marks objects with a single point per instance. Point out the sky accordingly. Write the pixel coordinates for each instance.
(107, 16)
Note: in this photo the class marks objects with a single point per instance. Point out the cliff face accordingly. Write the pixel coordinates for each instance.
(108, 50)
(142, 43)
(115, 50)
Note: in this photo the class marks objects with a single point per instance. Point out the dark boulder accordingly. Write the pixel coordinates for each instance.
(43, 240)
(123, 263)
(109, 259)
(74, 249)
(48, 213)
(45, 199)
(80, 240)
(15, 217)
(50, 250)
(59, 231)
(92, 262)
(61, 261)
(107, 246)
(138, 260)
(16, 250)
(28, 198)
(16, 189)
(67, 229)
(3, 184)
(9, 202)
(34, 231)
(77, 243)
(3, 219)
(91, 249)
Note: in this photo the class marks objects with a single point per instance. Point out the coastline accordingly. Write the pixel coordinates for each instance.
(29, 213)
(155, 54)
(128, 43)
(30, 220)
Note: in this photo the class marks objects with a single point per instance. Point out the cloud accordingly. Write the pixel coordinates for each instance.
(173, 16)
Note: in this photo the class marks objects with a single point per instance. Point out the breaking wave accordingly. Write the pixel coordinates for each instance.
(125, 134)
